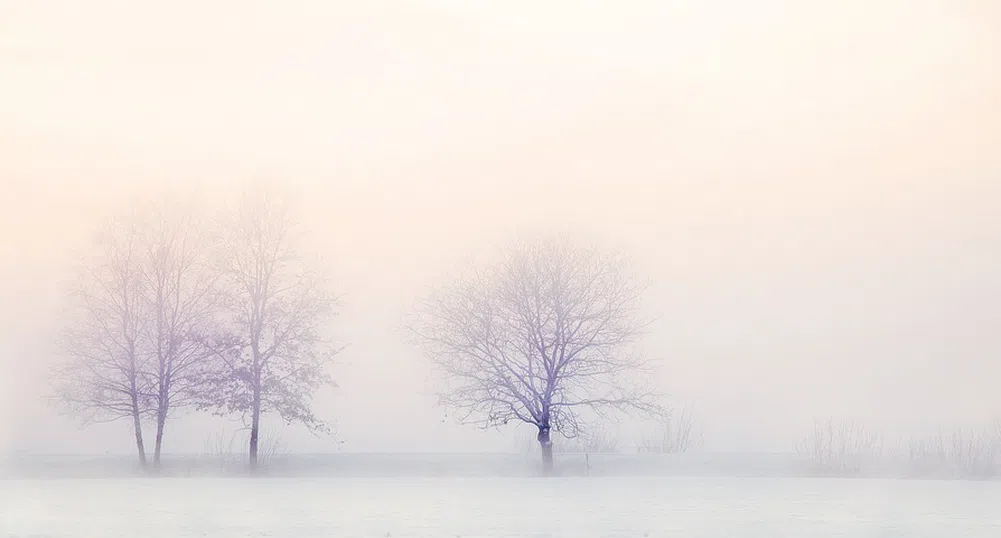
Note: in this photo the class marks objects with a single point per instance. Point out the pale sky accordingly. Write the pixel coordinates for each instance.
(814, 187)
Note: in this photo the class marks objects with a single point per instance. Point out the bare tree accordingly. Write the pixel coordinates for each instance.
(178, 285)
(677, 432)
(541, 336)
(103, 379)
(139, 303)
(273, 356)
(839, 447)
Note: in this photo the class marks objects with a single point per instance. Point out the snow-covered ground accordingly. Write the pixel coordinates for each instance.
(572, 507)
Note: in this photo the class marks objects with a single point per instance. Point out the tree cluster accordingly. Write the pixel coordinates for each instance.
(175, 310)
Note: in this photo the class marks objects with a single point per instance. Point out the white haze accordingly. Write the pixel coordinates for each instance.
(814, 187)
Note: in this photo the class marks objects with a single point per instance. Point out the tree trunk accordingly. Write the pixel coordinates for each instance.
(160, 422)
(255, 427)
(546, 444)
(137, 426)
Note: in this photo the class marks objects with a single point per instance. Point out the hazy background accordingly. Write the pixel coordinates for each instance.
(814, 186)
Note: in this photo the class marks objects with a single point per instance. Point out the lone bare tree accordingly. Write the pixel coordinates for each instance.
(104, 377)
(544, 336)
(179, 289)
(273, 356)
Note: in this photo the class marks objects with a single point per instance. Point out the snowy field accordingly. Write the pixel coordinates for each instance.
(446, 507)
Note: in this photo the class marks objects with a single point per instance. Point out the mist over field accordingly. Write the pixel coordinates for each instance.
(685, 250)
(483, 268)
